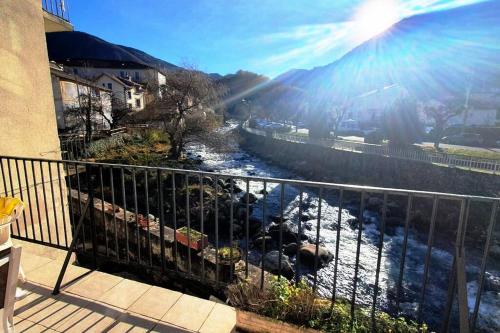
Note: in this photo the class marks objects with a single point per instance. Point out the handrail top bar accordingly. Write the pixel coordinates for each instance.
(357, 188)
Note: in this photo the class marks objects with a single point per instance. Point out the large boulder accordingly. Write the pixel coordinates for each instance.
(287, 234)
(307, 253)
(272, 264)
(290, 249)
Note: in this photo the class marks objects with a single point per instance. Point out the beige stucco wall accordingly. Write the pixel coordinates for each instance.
(27, 113)
(28, 125)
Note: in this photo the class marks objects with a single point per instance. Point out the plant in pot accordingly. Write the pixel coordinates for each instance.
(229, 255)
(191, 238)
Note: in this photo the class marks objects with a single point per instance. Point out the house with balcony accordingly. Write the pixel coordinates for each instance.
(125, 92)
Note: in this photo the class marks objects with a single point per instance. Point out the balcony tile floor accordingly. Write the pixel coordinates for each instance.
(93, 301)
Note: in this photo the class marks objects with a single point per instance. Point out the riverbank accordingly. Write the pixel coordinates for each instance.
(320, 163)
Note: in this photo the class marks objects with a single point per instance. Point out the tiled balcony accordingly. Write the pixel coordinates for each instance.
(93, 301)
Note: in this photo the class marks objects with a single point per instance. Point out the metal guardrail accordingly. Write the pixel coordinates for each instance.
(57, 8)
(449, 160)
(214, 204)
(73, 146)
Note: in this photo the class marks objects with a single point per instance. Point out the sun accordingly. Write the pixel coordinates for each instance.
(374, 17)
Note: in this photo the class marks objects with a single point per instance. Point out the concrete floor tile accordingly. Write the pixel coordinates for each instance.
(124, 294)
(94, 285)
(155, 302)
(189, 312)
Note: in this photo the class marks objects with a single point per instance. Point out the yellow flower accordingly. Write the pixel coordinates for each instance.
(9, 208)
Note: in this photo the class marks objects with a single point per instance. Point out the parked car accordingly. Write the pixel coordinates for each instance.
(466, 139)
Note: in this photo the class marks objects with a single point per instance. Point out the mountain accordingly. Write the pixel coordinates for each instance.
(429, 55)
(77, 45)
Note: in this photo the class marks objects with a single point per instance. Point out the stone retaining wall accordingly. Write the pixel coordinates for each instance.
(327, 164)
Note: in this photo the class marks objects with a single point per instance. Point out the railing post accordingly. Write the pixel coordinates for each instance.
(90, 198)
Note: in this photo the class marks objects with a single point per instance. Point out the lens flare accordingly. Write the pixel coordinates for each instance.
(374, 17)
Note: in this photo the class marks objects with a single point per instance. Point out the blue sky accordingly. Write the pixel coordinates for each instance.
(264, 36)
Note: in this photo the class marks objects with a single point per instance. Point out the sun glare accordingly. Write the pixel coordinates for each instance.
(374, 17)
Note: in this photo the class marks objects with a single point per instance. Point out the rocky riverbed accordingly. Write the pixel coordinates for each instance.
(240, 163)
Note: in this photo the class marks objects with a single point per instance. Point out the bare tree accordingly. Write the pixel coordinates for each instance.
(338, 113)
(441, 114)
(186, 107)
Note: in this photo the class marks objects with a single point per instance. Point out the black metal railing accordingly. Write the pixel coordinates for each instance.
(405, 252)
(73, 146)
(57, 8)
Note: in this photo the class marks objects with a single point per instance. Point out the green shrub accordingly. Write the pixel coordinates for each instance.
(298, 304)
(155, 136)
(100, 148)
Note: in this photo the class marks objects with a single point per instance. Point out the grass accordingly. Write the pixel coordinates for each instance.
(282, 300)
(149, 148)
(492, 155)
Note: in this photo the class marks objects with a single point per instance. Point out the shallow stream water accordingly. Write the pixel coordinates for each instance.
(238, 162)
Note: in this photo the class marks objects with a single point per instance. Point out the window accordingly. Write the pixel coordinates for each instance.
(104, 85)
(136, 77)
(129, 94)
(122, 74)
(129, 105)
(137, 103)
(75, 71)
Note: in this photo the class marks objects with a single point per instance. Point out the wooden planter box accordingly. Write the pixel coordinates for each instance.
(198, 240)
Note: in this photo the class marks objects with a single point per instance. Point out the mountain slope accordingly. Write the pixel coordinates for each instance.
(76, 45)
(430, 55)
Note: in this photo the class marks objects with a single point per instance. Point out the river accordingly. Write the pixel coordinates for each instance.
(239, 162)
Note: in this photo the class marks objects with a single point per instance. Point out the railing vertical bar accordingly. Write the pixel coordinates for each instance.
(162, 219)
(318, 228)
(379, 259)
(3, 177)
(117, 249)
(146, 192)
(428, 254)
(216, 230)
(263, 229)
(403, 252)
(202, 229)
(52, 194)
(188, 221)
(12, 193)
(33, 171)
(280, 241)
(20, 182)
(231, 228)
(299, 234)
(70, 200)
(484, 261)
(174, 218)
(247, 231)
(125, 219)
(80, 202)
(136, 213)
(337, 246)
(103, 211)
(91, 206)
(45, 203)
(358, 252)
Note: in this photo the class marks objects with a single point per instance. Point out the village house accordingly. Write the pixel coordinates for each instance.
(68, 90)
(125, 92)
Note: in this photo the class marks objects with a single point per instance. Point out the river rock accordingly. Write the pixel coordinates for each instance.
(495, 251)
(290, 249)
(251, 198)
(271, 263)
(307, 254)
(268, 241)
(393, 221)
(287, 234)
(491, 283)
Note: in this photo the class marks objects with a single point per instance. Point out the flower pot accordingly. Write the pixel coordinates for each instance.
(197, 241)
